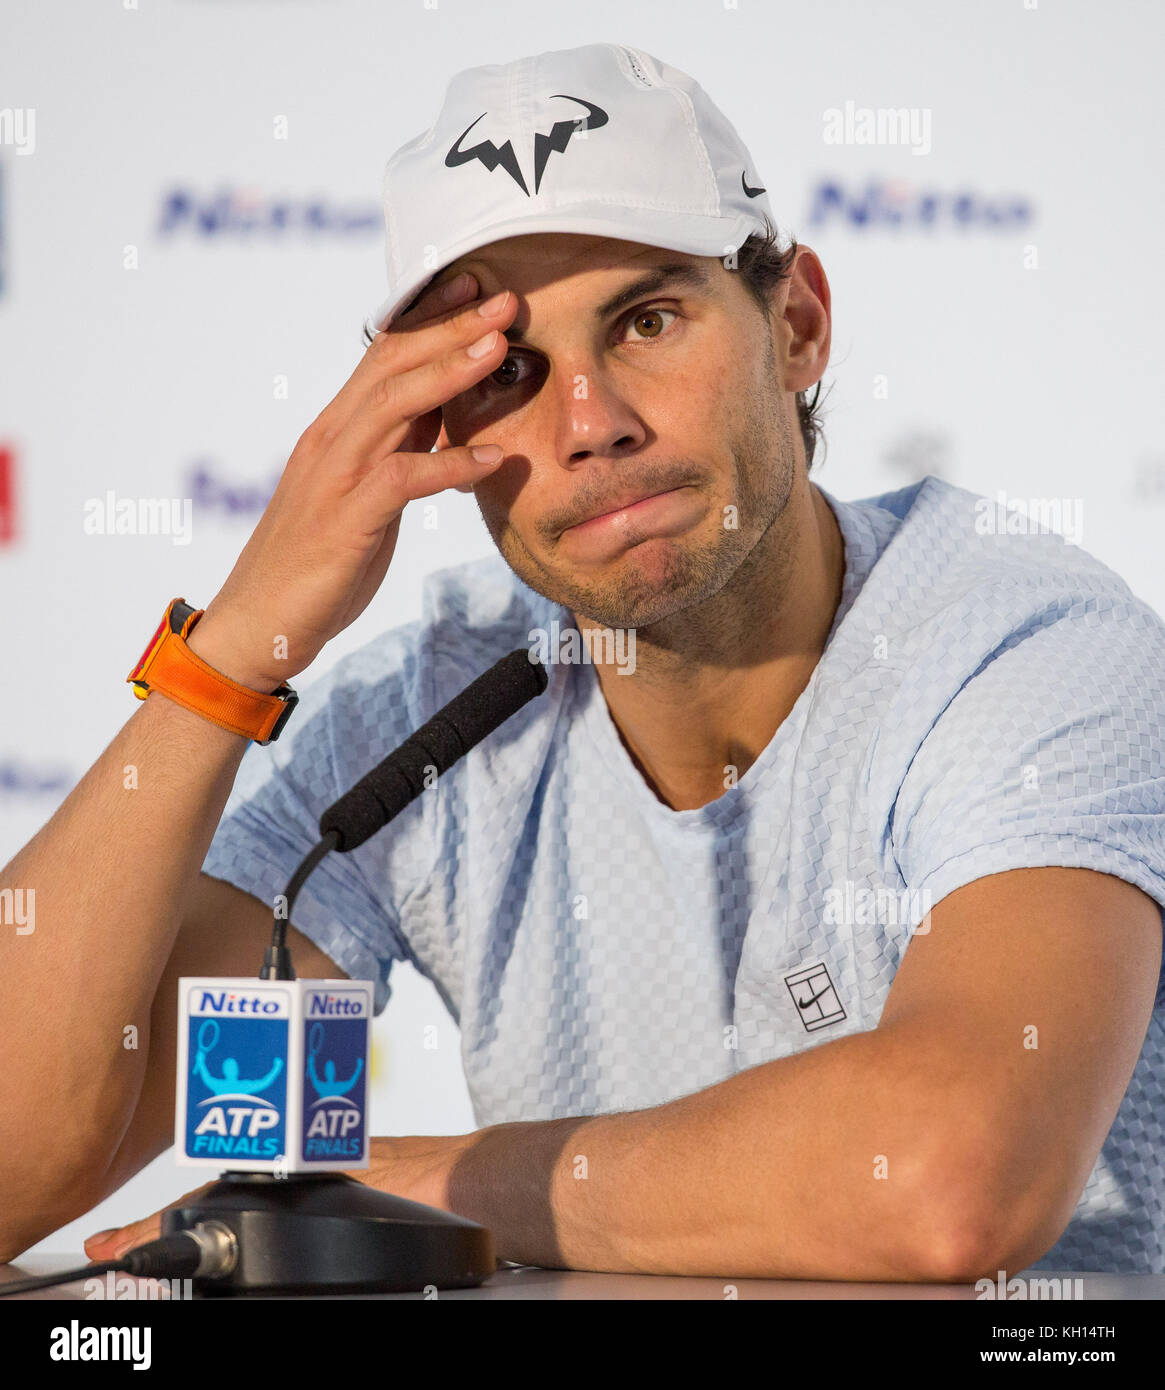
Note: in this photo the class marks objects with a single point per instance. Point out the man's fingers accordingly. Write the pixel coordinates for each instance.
(403, 478)
(443, 443)
(411, 374)
(430, 309)
(378, 426)
(112, 1244)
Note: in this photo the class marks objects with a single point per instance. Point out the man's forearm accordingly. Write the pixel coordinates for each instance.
(823, 1165)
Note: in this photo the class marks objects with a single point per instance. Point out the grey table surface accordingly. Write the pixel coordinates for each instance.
(551, 1284)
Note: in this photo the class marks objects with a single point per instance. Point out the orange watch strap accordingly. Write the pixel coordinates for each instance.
(169, 666)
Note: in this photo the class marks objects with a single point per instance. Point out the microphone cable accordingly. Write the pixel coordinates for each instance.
(209, 1250)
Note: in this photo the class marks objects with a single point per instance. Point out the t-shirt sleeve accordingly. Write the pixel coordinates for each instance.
(345, 722)
(1051, 754)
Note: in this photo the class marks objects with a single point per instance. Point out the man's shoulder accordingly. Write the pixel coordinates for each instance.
(946, 546)
(964, 620)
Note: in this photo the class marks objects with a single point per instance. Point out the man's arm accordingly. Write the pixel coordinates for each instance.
(953, 1140)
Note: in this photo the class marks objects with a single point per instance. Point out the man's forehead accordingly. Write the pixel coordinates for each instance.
(552, 255)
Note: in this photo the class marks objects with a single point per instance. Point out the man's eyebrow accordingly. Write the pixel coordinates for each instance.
(683, 273)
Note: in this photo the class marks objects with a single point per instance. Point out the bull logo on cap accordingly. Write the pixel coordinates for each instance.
(492, 155)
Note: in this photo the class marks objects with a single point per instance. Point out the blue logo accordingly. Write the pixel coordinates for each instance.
(212, 490)
(333, 1123)
(902, 206)
(237, 1085)
(26, 779)
(243, 213)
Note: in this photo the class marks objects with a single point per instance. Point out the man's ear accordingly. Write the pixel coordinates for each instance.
(443, 442)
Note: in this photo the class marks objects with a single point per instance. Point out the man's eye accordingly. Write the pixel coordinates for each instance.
(508, 374)
(647, 322)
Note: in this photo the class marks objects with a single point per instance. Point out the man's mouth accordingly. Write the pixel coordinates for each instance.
(632, 520)
(625, 506)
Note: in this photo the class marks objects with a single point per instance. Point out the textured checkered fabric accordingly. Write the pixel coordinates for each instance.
(985, 701)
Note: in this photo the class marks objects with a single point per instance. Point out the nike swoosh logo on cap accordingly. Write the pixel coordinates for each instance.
(750, 192)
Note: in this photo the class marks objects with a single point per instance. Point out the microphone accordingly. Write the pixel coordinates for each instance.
(465, 721)
(276, 1087)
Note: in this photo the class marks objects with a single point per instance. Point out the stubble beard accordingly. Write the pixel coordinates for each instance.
(689, 573)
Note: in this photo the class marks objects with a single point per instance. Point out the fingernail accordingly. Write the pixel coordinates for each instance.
(455, 289)
(483, 345)
(100, 1235)
(494, 305)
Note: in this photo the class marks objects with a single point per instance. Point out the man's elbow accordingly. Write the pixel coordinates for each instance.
(981, 1228)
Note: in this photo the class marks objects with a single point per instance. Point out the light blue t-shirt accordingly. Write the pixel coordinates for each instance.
(985, 701)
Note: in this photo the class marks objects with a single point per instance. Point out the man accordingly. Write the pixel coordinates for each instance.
(817, 933)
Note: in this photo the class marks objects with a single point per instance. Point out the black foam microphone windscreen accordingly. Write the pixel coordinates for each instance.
(467, 719)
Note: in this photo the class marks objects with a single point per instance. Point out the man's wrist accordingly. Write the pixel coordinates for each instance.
(214, 646)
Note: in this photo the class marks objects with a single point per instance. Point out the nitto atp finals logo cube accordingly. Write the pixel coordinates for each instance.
(272, 1074)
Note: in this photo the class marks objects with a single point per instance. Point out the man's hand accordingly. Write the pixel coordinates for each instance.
(111, 1244)
(416, 1167)
(324, 543)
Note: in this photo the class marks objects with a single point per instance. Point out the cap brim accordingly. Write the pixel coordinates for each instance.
(698, 236)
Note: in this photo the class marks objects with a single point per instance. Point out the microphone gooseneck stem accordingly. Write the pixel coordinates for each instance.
(277, 958)
(483, 706)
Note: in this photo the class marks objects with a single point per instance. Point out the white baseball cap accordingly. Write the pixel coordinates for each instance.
(605, 140)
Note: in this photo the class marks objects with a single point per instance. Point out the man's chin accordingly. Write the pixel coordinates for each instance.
(651, 582)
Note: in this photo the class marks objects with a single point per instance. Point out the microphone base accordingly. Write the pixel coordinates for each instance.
(326, 1233)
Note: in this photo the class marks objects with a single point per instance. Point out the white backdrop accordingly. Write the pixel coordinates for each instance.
(182, 290)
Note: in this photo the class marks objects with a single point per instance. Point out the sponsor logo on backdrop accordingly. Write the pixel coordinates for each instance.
(8, 526)
(212, 490)
(903, 205)
(244, 212)
(23, 779)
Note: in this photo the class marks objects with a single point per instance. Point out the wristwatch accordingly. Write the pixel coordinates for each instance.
(168, 665)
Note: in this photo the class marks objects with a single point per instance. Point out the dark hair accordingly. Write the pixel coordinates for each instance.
(762, 264)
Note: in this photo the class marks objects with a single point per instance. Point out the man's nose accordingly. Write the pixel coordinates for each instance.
(596, 415)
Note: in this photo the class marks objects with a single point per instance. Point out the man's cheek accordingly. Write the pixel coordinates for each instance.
(494, 505)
